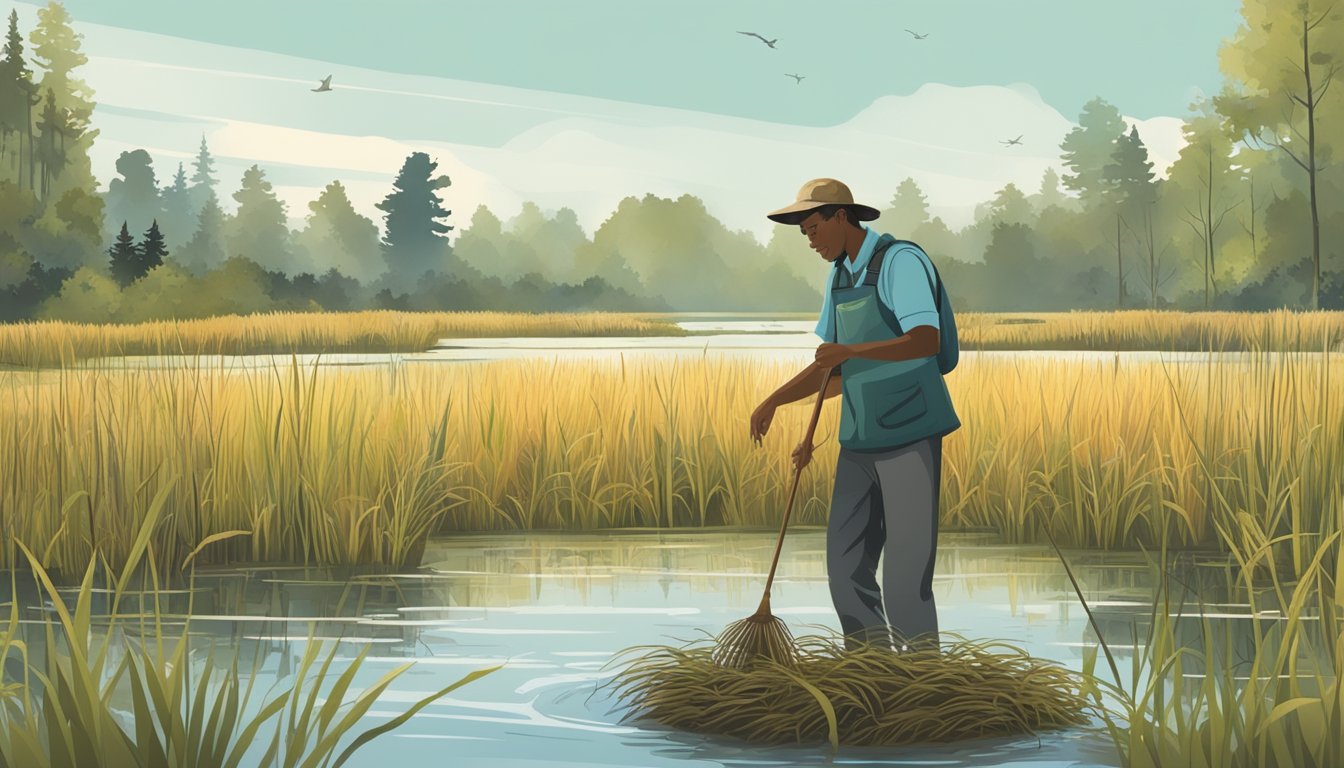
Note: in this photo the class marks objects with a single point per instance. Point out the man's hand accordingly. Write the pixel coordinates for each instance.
(830, 355)
(760, 420)
(802, 455)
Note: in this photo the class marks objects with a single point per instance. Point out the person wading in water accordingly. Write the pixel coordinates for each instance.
(888, 328)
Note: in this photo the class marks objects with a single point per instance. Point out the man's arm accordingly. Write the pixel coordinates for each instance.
(806, 383)
(920, 341)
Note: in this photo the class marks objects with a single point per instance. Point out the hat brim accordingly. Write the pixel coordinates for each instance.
(795, 213)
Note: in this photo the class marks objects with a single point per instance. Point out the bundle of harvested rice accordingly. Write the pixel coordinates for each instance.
(866, 697)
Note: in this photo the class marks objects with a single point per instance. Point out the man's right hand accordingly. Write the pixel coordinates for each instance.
(760, 420)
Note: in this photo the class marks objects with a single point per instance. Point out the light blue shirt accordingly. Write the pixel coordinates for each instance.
(902, 285)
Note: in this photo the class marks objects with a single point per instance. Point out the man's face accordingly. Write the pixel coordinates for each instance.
(825, 236)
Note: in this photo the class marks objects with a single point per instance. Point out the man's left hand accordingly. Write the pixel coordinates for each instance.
(830, 355)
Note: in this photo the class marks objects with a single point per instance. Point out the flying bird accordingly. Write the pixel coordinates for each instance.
(325, 86)
(917, 35)
(770, 43)
(798, 79)
(1013, 142)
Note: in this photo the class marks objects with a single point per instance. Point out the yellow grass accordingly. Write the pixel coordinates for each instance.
(54, 343)
(359, 465)
(50, 343)
(1154, 330)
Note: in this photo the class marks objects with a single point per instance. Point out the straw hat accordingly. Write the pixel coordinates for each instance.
(819, 192)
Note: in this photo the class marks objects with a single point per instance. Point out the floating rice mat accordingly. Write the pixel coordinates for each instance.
(868, 697)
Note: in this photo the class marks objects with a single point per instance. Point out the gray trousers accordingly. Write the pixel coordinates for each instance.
(885, 504)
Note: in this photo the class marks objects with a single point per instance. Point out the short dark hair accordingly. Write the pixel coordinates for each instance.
(827, 212)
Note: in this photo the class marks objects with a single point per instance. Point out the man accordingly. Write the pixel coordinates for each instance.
(880, 327)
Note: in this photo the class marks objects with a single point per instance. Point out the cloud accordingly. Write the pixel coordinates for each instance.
(501, 145)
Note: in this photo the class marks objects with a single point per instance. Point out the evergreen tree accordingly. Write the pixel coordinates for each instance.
(51, 127)
(908, 210)
(202, 178)
(56, 48)
(1127, 187)
(1127, 180)
(151, 251)
(260, 230)
(177, 211)
(124, 258)
(205, 250)
(1087, 150)
(17, 93)
(1049, 193)
(415, 239)
(1010, 206)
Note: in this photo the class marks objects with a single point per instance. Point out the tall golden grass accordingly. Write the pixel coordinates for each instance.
(1283, 330)
(52, 343)
(344, 466)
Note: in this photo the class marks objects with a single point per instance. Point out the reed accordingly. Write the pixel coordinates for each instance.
(359, 466)
(55, 343)
(114, 691)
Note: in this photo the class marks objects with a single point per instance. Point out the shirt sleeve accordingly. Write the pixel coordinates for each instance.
(825, 323)
(905, 287)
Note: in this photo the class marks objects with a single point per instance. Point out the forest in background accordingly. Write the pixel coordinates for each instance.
(1249, 217)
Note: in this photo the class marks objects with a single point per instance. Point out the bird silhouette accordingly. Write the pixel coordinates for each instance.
(770, 43)
(798, 79)
(1013, 142)
(325, 86)
(917, 35)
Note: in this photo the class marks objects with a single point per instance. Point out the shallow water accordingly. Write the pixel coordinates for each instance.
(556, 609)
(709, 337)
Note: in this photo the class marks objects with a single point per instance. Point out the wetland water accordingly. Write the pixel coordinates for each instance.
(555, 609)
(711, 337)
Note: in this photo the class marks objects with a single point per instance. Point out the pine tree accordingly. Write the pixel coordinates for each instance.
(1127, 186)
(177, 211)
(260, 230)
(1087, 149)
(908, 209)
(124, 257)
(414, 237)
(56, 49)
(205, 250)
(17, 97)
(50, 143)
(202, 178)
(151, 251)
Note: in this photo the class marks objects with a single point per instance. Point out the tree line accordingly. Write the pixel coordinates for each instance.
(1248, 217)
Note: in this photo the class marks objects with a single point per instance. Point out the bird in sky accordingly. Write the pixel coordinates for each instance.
(770, 43)
(1013, 142)
(325, 86)
(797, 78)
(917, 35)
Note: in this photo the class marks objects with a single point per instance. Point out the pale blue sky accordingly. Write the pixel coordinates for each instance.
(1145, 56)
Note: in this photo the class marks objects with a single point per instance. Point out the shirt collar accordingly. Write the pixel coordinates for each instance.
(860, 263)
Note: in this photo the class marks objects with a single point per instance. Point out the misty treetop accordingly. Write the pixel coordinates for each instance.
(1249, 216)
